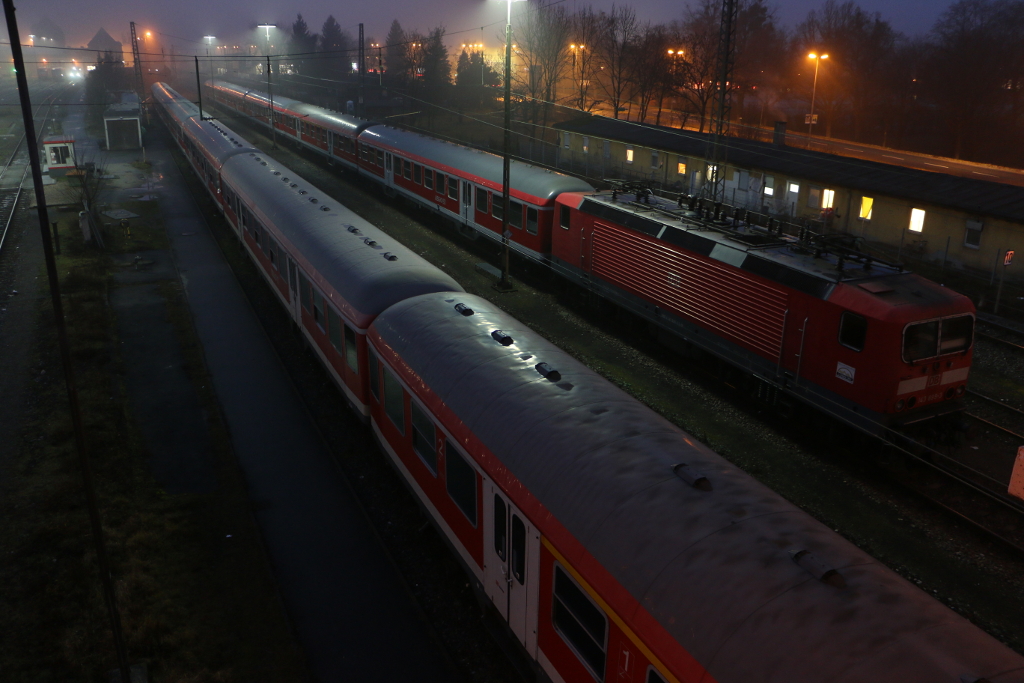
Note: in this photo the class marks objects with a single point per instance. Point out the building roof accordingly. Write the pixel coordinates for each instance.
(872, 178)
(102, 41)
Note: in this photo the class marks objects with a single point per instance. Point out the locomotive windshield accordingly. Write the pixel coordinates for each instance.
(937, 337)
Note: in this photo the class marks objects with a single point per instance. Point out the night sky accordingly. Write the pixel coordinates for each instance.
(183, 20)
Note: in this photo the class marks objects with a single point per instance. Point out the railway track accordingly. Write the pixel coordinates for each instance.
(9, 197)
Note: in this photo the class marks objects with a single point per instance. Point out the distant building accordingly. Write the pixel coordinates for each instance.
(102, 42)
(45, 33)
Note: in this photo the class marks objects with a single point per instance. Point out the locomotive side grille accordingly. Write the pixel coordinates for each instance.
(713, 295)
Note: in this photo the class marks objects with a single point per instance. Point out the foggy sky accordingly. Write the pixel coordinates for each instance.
(184, 22)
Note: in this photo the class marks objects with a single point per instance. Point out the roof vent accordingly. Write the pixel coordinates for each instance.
(294, 185)
(818, 569)
(389, 256)
(369, 242)
(285, 180)
(353, 229)
(263, 163)
(464, 309)
(502, 338)
(548, 372)
(302, 191)
(325, 208)
(277, 173)
(692, 476)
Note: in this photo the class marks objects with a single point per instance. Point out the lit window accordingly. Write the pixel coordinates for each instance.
(916, 220)
(712, 172)
(681, 168)
(769, 185)
(827, 198)
(866, 204)
(629, 155)
(586, 145)
(794, 188)
(654, 159)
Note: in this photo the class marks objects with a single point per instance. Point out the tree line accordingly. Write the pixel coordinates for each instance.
(953, 91)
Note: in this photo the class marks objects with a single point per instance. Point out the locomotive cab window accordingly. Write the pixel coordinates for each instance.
(531, 220)
(460, 480)
(853, 330)
(581, 624)
(423, 437)
(394, 400)
(937, 337)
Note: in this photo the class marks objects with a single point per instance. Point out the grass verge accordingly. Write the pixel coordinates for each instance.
(196, 598)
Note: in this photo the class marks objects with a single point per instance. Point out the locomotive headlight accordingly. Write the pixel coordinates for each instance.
(900, 405)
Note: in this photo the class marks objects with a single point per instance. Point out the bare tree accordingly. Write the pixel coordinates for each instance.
(650, 63)
(859, 45)
(760, 56)
(697, 72)
(541, 38)
(619, 33)
(585, 31)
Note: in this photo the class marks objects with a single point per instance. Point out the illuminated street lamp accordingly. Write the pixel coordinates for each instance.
(479, 47)
(506, 283)
(267, 27)
(209, 41)
(814, 90)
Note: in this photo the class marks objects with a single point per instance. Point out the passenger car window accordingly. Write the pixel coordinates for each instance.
(394, 400)
(517, 562)
(531, 220)
(515, 214)
(460, 480)
(351, 350)
(853, 330)
(563, 217)
(453, 188)
(374, 375)
(423, 437)
(481, 200)
(579, 621)
(500, 527)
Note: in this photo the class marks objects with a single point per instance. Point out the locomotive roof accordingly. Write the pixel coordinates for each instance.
(350, 125)
(368, 269)
(718, 569)
(780, 258)
(217, 141)
(527, 179)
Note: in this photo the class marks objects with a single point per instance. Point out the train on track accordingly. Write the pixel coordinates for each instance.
(613, 545)
(801, 316)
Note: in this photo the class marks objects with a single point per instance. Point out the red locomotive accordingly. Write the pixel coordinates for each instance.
(612, 544)
(806, 320)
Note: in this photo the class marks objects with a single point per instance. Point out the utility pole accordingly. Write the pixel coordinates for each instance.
(139, 85)
(199, 89)
(103, 565)
(270, 94)
(362, 69)
(717, 152)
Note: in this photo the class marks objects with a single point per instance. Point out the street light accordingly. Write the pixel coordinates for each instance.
(506, 283)
(209, 41)
(267, 27)
(814, 90)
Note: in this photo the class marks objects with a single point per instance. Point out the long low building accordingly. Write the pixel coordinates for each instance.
(944, 218)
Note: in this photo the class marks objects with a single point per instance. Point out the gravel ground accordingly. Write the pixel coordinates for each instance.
(820, 466)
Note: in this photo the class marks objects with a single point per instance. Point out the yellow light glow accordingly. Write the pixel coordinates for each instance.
(866, 204)
(916, 220)
(812, 56)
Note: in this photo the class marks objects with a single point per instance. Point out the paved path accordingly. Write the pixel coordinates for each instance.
(353, 616)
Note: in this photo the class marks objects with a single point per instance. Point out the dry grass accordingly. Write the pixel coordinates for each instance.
(195, 605)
